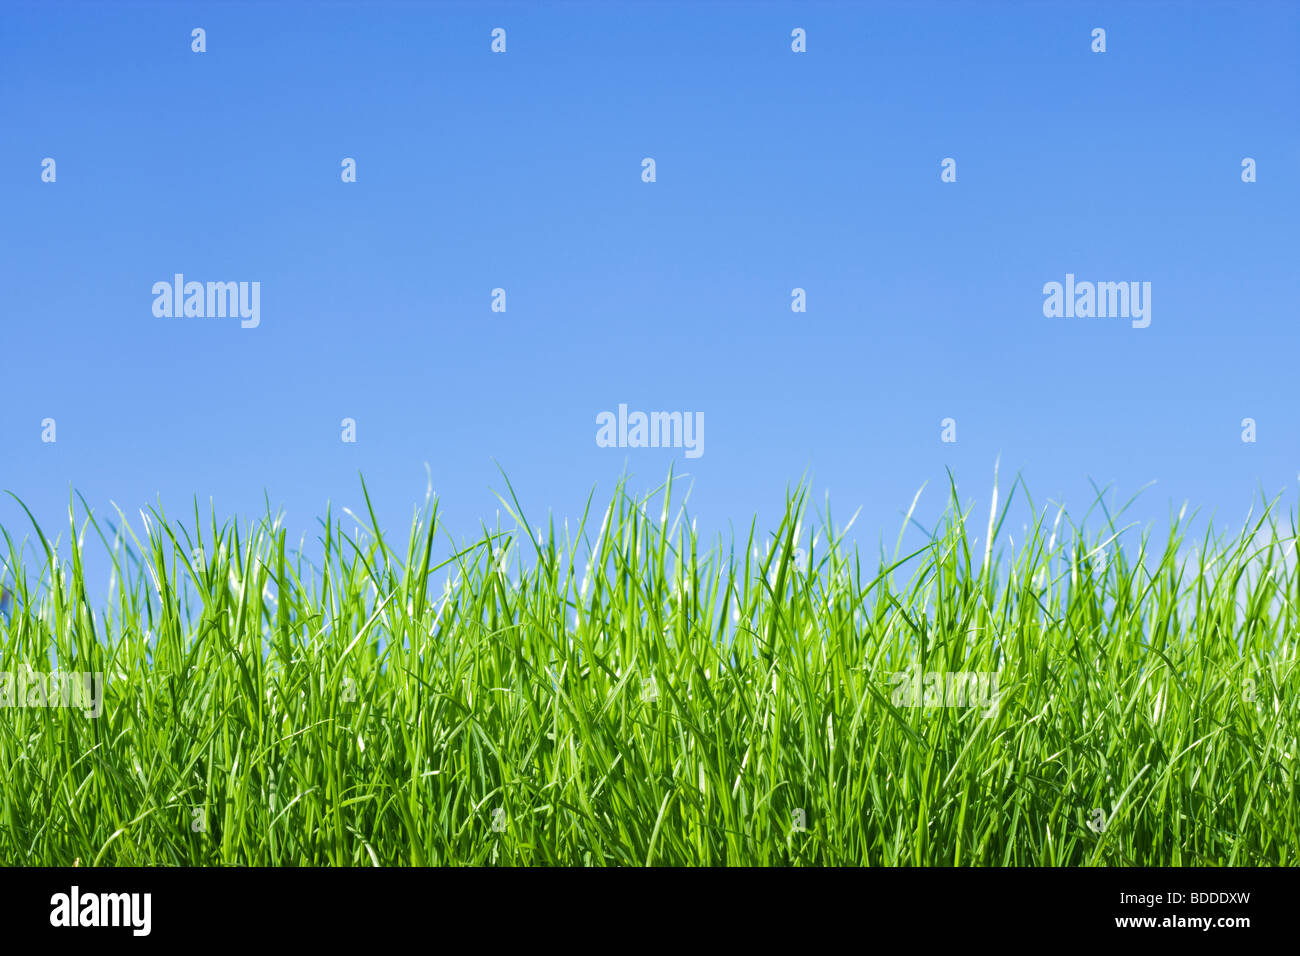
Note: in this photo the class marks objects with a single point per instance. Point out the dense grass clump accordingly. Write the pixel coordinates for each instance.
(628, 696)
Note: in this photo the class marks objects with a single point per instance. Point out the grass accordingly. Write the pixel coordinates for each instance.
(630, 697)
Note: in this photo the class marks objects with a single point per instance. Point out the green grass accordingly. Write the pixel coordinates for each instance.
(635, 696)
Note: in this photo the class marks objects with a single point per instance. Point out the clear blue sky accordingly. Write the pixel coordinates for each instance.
(775, 170)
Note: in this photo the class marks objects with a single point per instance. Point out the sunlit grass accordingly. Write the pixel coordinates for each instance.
(633, 695)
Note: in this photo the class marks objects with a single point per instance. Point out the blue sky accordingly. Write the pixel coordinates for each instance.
(522, 170)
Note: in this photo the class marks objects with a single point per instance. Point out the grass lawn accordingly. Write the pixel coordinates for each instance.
(634, 695)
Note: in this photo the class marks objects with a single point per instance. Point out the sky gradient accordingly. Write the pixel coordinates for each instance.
(522, 171)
